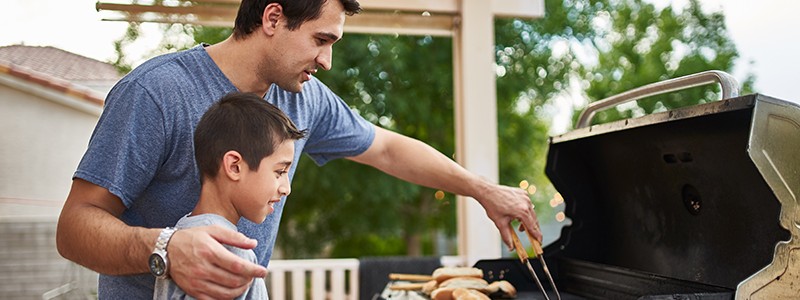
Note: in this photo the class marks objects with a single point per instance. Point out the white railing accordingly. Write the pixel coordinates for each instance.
(328, 278)
(320, 272)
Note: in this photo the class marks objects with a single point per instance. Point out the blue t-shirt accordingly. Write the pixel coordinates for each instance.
(166, 289)
(142, 148)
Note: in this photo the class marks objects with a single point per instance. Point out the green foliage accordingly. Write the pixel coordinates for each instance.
(403, 84)
(635, 44)
(131, 34)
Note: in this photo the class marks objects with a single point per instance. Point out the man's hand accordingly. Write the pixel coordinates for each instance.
(504, 204)
(204, 269)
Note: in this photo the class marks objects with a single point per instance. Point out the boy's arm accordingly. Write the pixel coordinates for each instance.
(91, 234)
(417, 162)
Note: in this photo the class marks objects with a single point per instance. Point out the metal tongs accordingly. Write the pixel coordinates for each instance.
(538, 252)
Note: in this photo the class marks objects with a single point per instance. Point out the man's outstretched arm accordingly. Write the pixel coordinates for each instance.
(417, 162)
(91, 234)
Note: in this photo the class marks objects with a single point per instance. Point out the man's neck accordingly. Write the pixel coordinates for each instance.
(239, 61)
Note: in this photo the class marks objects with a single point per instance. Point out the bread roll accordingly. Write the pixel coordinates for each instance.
(502, 289)
(468, 294)
(445, 273)
(442, 294)
(465, 282)
(429, 286)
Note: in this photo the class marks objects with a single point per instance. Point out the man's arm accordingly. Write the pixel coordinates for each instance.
(91, 234)
(419, 163)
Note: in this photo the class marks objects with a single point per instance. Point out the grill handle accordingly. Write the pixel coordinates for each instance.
(728, 84)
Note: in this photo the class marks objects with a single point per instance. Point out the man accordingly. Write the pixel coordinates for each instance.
(139, 159)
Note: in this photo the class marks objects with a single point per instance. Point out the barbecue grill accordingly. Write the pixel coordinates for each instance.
(693, 203)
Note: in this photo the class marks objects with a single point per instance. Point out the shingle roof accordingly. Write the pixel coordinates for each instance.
(53, 83)
(63, 71)
(58, 63)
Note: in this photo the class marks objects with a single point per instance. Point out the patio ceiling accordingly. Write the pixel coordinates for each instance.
(413, 17)
(473, 73)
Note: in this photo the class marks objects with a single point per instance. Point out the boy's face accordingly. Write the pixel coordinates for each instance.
(298, 54)
(261, 189)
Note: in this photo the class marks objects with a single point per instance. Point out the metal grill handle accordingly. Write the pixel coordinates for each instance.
(728, 84)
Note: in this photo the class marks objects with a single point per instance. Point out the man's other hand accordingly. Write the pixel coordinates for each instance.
(204, 269)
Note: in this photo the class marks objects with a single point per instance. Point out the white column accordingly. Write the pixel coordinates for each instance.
(476, 124)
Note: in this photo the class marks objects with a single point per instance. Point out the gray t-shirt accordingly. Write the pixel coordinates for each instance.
(142, 148)
(167, 289)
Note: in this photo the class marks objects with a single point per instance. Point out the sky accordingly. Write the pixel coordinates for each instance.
(765, 32)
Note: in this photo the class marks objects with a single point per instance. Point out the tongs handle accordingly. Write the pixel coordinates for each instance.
(523, 255)
(537, 246)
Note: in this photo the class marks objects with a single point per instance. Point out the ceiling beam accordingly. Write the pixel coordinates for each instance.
(504, 8)
(370, 22)
(367, 23)
(414, 17)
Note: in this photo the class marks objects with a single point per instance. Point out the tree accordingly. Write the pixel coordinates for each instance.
(404, 83)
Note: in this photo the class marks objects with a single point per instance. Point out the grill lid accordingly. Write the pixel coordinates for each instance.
(693, 194)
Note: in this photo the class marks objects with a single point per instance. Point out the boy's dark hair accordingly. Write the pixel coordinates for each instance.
(243, 122)
(297, 12)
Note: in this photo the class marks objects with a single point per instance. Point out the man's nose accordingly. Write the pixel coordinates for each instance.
(324, 58)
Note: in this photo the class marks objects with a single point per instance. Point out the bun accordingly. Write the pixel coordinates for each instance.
(429, 287)
(468, 294)
(445, 273)
(502, 288)
(466, 282)
(442, 294)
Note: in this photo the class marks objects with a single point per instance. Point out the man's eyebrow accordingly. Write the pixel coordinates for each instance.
(329, 36)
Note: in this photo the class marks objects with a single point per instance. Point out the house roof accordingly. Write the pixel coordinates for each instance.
(62, 71)
(58, 63)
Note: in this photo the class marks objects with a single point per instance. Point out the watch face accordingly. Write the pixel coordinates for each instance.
(157, 265)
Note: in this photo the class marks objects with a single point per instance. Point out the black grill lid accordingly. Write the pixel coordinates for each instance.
(675, 193)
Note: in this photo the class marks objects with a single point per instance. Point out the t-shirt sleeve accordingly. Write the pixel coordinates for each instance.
(338, 130)
(127, 144)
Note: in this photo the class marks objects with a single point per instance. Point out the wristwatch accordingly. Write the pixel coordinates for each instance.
(159, 265)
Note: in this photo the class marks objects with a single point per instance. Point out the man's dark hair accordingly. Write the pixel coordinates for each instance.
(243, 122)
(297, 12)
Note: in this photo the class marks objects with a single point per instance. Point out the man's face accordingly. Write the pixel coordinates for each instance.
(298, 54)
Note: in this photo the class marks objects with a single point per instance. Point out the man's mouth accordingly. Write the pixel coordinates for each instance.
(272, 203)
(308, 73)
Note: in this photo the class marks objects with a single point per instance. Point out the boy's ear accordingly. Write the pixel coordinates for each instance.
(270, 18)
(232, 165)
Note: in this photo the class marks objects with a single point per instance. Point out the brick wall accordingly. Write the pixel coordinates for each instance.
(30, 266)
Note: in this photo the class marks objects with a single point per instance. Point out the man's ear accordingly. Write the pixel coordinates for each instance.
(232, 165)
(269, 19)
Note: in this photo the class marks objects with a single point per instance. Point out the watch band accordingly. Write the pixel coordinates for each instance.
(163, 239)
(159, 265)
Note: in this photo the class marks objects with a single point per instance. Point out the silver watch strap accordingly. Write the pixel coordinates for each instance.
(163, 239)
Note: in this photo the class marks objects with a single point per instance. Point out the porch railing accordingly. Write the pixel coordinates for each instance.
(321, 279)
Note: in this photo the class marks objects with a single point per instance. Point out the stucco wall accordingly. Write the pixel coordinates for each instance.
(41, 142)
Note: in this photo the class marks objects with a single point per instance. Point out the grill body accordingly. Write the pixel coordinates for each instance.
(693, 203)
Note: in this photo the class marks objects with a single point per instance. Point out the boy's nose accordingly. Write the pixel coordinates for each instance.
(285, 189)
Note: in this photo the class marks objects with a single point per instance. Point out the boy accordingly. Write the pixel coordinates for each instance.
(244, 147)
